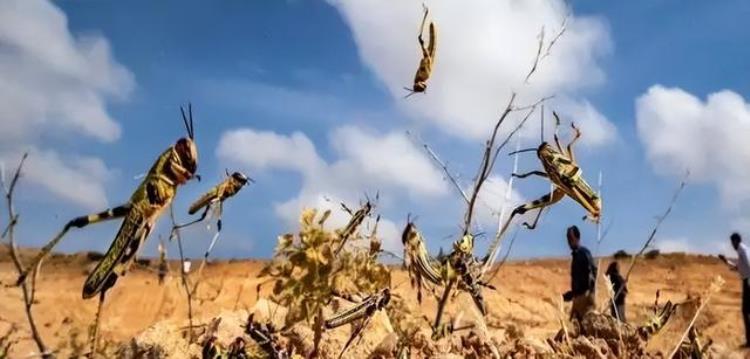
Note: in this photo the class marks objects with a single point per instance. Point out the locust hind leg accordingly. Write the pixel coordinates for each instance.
(557, 127)
(534, 173)
(425, 52)
(356, 332)
(201, 218)
(544, 201)
(575, 138)
(78, 222)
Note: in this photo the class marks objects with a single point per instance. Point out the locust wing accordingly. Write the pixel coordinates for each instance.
(205, 200)
(133, 231)
(432, 47)
(419, 265)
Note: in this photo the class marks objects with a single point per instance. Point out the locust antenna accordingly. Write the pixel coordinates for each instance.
(411, 92)
(541, 132)
(522, 151)
(185, 121)
(192, 125)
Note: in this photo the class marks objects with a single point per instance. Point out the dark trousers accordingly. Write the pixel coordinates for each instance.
(746, 308)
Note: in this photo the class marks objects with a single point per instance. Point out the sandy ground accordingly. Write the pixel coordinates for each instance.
(527, 297)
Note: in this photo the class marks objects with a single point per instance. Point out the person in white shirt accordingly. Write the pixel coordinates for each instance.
(742, 267)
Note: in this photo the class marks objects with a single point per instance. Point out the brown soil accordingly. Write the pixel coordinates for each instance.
(526, 302)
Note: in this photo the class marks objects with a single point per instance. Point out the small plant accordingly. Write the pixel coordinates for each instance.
(311, 268)
(652, 254)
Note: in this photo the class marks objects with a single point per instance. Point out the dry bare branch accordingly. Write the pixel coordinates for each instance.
(28, 290)
(442, 165)
(537, 57)
(563, 28)
(659, 221)
(651, 237)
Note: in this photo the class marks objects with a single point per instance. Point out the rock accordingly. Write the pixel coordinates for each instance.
(388, 348)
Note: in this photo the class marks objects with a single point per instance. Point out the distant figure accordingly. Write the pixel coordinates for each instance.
(742, 266)
(582, 277)
(163, 269)
(620, 289)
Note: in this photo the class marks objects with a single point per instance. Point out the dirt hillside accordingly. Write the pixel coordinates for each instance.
(527, 298)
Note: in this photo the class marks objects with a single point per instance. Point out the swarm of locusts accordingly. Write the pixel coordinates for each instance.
(329, 278)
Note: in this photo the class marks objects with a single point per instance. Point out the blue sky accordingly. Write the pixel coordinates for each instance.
(305, 97)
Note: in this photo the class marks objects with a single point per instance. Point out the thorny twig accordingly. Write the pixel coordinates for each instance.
(29, 291)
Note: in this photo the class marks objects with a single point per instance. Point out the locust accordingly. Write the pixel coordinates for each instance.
(657, 321)
(423, 270)
(174, 167)
(562, 170)
(358, 217)
(214, 199)
(693, 347)
(428, 57)
(460, 267)
(265, 336)
(362, 312)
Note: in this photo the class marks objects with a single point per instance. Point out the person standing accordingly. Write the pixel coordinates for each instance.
(742, 267)
(582, 277)
(620, 289)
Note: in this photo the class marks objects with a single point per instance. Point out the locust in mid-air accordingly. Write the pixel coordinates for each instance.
(214, 199)
(217, 195)
(428, 57)
(174, 167)
(562, 170)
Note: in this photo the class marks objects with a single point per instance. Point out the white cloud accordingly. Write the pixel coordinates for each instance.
(55, 85)
(680, 131)
(596, 130)
(78, 180)
(265, 149)
(52, 80)
(391, 158)
(366, 161)
(485, 48)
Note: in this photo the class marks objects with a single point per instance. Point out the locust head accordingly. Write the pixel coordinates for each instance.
(465, 244)
(185, 162)
(419, 86)
(240, 178)
(187, 158)
(546, 153)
